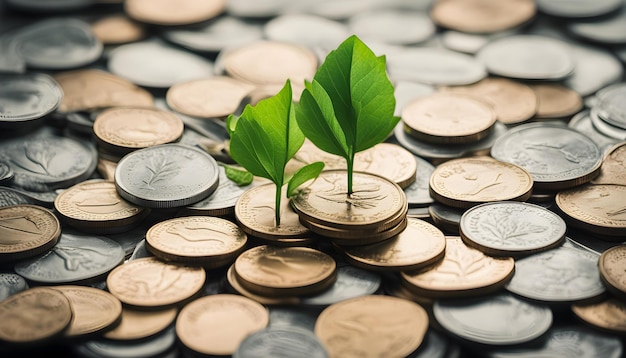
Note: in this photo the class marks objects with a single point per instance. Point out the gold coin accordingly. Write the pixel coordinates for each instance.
(95, 206)
(463, 272)
(255, 214)
(348, 237)
(482, 16)
(122, 130)
(613, 168)
(26, 231)
(466, 182)
(34, 315)
(208, 98)
(608, 315)
(231, 277)
(279, 271)
(95, 310)
(372, 326)
(374, 200)
(599, 208)
(513, 102)
(173, 12)
(203, 240)
(556, 101)
(448, 118)
(217, 324)
(612, 265)
(421, 244)
(148, 282)
(135, 325)
(117, 29)
(270, 63)
(95, 89)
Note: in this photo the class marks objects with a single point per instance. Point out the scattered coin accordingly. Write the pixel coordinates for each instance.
(605, 30)
(271, 342)
(117, 29)
(26, 231)
(397, 27)
(482, 16)
(577, 8)
(612, 169)
(26, 98)
(609, 107)
(351, 282)
(555, 101)
(612, 265)
(586, 80)
(317, 33)
(582, 123)
(10, 284)
(608, 315)
(137, 324)
(173, 12)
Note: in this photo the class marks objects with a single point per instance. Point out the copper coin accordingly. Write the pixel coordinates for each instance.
(95, 310)
(613, 168)
(612, 265)
(139, 324)
(482, 16)
(148, 282)
(217, 324)
(372, 326)
(117, 29)
(608, 315)
(203, 240)
(27, 231)
(173, 12)
(465, 182)
(352, 237)
(234, 283)
(463, 272)
(291, 271)
(556, 101)
(34, 315)
(448, 118)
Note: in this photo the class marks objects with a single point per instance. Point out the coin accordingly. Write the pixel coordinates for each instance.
(608, 30)
(555, 101)
(608, 315)
(10, 284)
(482, 16)
(26, 98)
(290, 271)
(612, 265)
(609, 106)
(582, 123)
(463, 272)
(236, 287)
(216, 325)
(398, 27)
(166, 176)
(173, 12)
(315, 32)
(595, 208)
(352, 237)
(26, 231)
(511, 228)
(497, 320)
(446, 217)
(372, 326)
(94, 311)
(159, 345)
(117, 29)
(556, 156)
(136, 324)
(578, 9)
(419, 245)
(558, 275)
(201, 240)
(586, 80)
(148, 282)
(351, 282)
(271, 342)
(612, 169)
(34, 315)
(467, 182)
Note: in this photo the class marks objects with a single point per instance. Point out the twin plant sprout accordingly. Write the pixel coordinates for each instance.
(347, 108)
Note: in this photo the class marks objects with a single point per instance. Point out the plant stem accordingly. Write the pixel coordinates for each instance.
(350, 163)
(277, 209)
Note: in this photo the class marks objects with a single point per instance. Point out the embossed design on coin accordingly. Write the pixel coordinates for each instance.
(26, 231)
(612, 265)
(94, 310)
(613, 169)
(11, 284)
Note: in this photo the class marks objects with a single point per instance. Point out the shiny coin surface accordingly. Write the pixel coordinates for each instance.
(148, 282)
(27, 97)
(511, 228)
(448, 118)
(117, 29)
(95, 206)
(217, 324)
(34, 315)
(482, 16)
(597, 208)
(351, 282)
(173, 12)
(94, 310)
(276, 271)
(612, 169)
(558, 275)
(254, 211)
(583, 123)
(75, 258)
(608, 315)
(166, 176)
(201, 240)
(208, 98)
(27, 231)
(612, 265)
(419, 245)
(122, 130)
(272, 342)
(496, 320)
(159, 345)
(555, 101)
(463, 272)
(372, 326)
(140, 324)
(10, 284)
(466, 182)
(610, 106)
(556, 156)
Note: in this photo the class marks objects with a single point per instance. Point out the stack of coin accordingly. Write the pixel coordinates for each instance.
(375, 210)
(26, 231)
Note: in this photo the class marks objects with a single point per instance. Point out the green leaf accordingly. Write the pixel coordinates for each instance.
(302, 175)
(240, 177)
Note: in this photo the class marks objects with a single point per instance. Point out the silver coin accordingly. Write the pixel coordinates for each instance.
(610, 105)
(609, 30)
(435, 66)
(27, 97)
(583, 124)
(602, 126)
(417, 194)
(434, 151)
(158, 346)
(436, 345)
(471, 43)
(155, 64)
(74, 258)
(496, 320)
(281, 342)
(129, 239)
(595, 69)
(218, 34)
(578, 8)
(511, 228)
(166, 176)
(9, 197)
(292, 316)
(558, 275)
(140, 251)
(528, 57)
(314, 32)
(392, 26)
(10, 59)
(6, 173)
(351, 282)
(58, 44)
(11, 283)
(446, 217)
(256, 9)
(556, 156)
